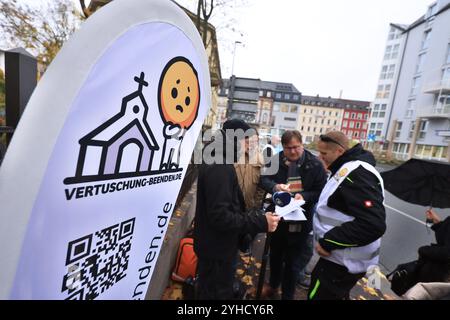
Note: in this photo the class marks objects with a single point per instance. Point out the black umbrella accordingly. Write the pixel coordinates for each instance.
(422, 182)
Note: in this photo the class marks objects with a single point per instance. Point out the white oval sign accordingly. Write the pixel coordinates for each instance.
(90, 179)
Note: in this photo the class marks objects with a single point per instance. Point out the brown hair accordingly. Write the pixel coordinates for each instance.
(337, 138)
(289, 135)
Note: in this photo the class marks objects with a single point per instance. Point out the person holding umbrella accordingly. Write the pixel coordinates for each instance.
(434, 259)
(349, 219)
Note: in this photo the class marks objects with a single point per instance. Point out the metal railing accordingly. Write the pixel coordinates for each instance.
(442, 111)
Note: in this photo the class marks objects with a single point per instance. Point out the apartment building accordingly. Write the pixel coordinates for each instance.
(419, 120)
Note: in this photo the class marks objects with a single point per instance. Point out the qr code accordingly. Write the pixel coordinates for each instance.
(97, 261)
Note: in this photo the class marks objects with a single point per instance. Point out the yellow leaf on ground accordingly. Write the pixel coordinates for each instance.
(239, 272)
(176, 294)
(248, 280)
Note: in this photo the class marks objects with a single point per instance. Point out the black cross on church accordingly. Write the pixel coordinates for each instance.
(141, 81)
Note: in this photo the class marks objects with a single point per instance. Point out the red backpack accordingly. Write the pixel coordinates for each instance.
(186, 263)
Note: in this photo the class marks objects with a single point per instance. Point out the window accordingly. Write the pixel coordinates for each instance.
(391, 35)
(355, 134)
(278, 95)
(415, 85)
(420, 60)
(269, 94)
(390, 73)
(387, 53)
(353, 115)
(398, 130)
(359, 116)
(294, 109)
(358, 125)
(284, 108)
(363, 135)
(379, 125)
(387, 91)
(375, 111)
(352, 124)
(382, 110)
(411, 108)
(287, 96)
(426, 39)
(387, 71)
(290, 119)
(347, 114)
(372, 125)
(412, 127)
(384, 70)
(296, 97)
(226, 91)
(335, 122)
(276, 107)
(261, 93)
(394, 54)
(423, 129)
(383, 91)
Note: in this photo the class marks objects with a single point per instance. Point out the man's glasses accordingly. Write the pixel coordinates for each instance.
(326, 138)
(292, 148)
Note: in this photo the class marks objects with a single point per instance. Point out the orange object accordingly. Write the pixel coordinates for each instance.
(186, 263)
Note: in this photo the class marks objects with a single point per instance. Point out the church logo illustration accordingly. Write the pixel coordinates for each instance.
(127, 130)
(178, 101)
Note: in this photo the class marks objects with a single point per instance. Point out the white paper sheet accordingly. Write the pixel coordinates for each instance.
(292, 212)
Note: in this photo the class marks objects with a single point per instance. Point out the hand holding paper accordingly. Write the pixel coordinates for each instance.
(292, 211)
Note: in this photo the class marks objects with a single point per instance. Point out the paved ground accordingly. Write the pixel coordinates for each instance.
(248, 272)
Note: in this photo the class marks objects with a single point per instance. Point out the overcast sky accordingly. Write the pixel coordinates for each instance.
(321, 46)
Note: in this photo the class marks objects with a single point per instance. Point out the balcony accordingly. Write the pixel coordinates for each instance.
(440, 87)
(435, 112)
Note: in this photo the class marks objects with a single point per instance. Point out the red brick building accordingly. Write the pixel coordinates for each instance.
(354, 119)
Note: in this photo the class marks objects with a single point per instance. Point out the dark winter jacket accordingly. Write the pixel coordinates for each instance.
(360, 196)
(313, 176)
(435, 258)
(220, 218)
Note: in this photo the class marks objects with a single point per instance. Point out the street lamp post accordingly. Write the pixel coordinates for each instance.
(234, 53)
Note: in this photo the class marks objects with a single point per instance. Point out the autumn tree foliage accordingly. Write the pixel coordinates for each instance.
(42, 29)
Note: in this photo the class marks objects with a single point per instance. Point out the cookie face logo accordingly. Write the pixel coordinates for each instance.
(179, 93)
(178, 101)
